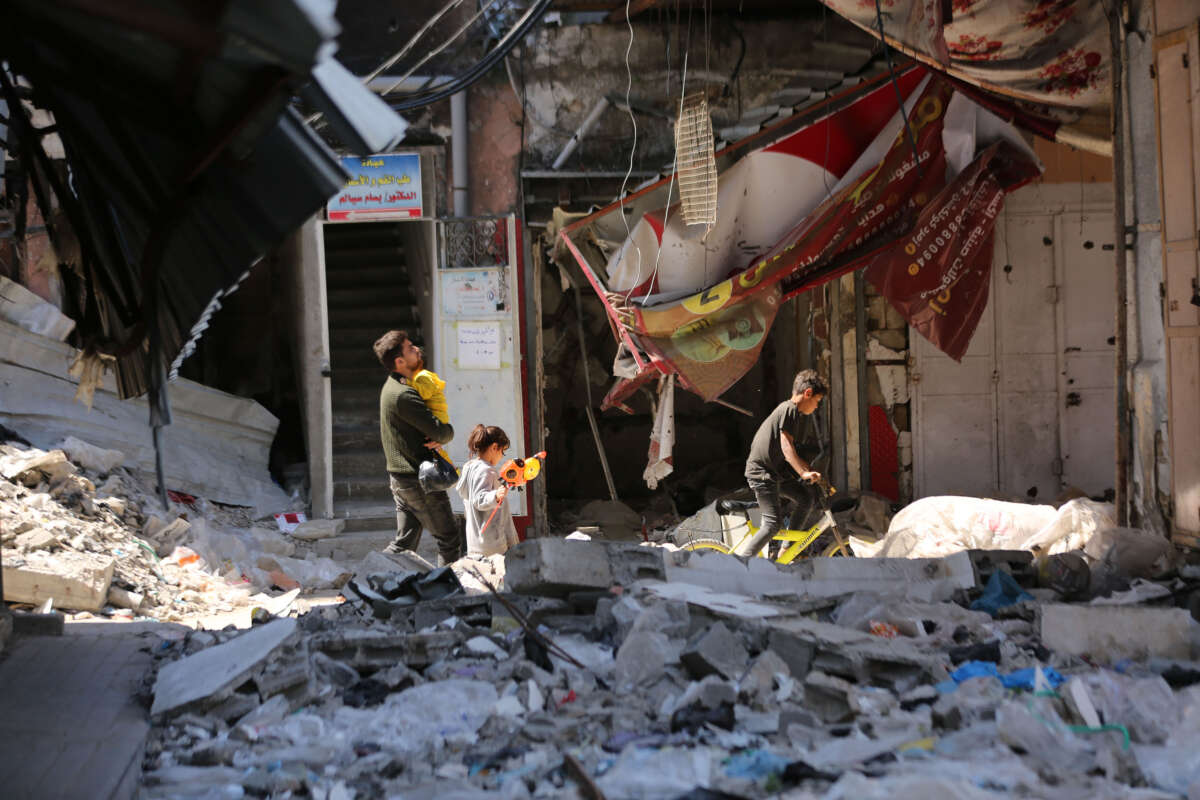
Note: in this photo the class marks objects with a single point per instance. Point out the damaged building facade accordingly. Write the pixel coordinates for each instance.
(617, 229)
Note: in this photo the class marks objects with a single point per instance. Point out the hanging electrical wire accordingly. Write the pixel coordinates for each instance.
(530, 18)
(633, 147)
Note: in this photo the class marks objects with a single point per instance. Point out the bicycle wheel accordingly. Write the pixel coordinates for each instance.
(705, 544)
(835, 549)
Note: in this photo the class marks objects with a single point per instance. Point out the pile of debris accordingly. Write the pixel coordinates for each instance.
(611, 670)
(82, 532)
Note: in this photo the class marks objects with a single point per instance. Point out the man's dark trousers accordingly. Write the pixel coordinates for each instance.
(416, 510)
(770, 493)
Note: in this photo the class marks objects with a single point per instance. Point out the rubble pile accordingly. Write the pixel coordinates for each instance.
(622, 671)
(81, 532)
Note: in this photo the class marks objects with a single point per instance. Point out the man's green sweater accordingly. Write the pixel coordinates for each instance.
(405, 424)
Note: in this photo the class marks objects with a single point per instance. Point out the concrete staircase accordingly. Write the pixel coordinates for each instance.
(369, 292)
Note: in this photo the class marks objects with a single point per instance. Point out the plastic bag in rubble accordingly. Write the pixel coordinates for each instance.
(1146, 707)
(937, 526)
(432, 715)
(647, 774)
(1120, 555)
(853, 786)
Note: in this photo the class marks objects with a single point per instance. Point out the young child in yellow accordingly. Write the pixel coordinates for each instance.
(433, 391)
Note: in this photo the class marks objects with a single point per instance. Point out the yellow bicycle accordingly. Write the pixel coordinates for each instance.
(792, 543)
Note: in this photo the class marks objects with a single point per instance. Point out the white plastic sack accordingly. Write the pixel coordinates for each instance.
(937, 526)
(435, 714)
(92, 458)
(646, 774)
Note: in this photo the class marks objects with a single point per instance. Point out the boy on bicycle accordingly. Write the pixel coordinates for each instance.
(774, 467)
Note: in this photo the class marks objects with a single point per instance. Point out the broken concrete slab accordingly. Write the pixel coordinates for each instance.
(560, 566)
(720, 603)
(217, 449)
(52, 464)
(212, 674)
(923, 579)
(25, 309)
(643, 656)
(73, 580)
(379, 649)
(36, 539)
(1111, 633)
(314, 529)
(715, 651)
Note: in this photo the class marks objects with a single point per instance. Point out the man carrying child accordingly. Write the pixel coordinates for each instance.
(409, 431)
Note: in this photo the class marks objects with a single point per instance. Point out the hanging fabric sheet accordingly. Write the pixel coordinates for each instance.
(1048, 61)
(660, 462)
(710, 336)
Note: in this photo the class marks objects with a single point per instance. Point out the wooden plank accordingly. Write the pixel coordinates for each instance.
(1179, 270)
(1175, 142)
(1184, 424)
(1183, 331)
(1170, 15)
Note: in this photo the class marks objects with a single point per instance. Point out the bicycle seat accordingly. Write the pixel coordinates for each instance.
(727, 506)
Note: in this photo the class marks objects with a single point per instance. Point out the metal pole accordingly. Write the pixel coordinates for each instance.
(860, 354)
(459, 160)
(587, 382)
(1121, 488)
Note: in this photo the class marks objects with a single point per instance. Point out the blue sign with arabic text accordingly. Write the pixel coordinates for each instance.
(380, 187)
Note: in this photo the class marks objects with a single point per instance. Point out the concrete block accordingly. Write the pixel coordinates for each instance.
(211, 675)
(794, 650)
(1111, 633)
(72, 580)
(379, 649)
(36, 539)
(643, 657)
(559, 566)
(716, 651)
(315, 529)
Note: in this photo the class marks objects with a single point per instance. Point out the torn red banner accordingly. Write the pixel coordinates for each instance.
(937, 275)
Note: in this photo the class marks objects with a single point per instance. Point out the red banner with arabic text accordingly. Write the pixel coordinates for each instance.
(937, 275)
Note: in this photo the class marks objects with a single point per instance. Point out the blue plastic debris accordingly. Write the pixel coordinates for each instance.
(754, 765)
(1026, 678)
(1020, 679)
(1001, 591)
(975, 669)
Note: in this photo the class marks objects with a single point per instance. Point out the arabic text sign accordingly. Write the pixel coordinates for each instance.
(478, 345)
(380, 187)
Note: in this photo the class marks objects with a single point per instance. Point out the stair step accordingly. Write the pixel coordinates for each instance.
(359, 339)
(372, 297)
(367, 461)
(362, 488)
(359, 377)
(385, 275)
(347, 441)
(379, 318)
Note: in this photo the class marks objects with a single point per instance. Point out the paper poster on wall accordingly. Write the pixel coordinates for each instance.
(472, 292)
(478, 345)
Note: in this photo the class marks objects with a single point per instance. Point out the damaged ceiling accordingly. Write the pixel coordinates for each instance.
(184, 161)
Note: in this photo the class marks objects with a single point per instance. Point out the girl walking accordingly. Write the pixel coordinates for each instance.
(482, 491)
